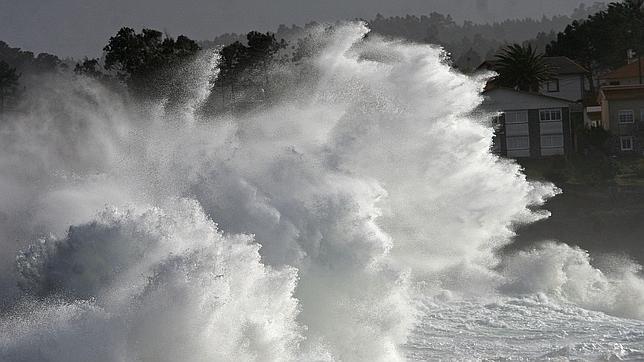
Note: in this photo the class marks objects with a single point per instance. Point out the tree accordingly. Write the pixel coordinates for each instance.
(248, 63)
(89, 67)
(142, 60)
(520, 67)
(46, 62)
(262, 49)
(8, 83)
(25, 61)
(305, 48)
(600, 42)
(234, 60)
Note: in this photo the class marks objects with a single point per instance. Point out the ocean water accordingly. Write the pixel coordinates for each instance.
(525, 328)
(357, 216)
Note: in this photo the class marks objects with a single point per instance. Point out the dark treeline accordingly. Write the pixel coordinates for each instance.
(142, 64)
(248, 61)
(27, 62)
(9, 78)
(142, 61)
(16, 66)
(601, 41)
(468, 43)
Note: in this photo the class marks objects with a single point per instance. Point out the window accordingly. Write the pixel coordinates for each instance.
(626, 143)
(550, 115)
(518, 146)
(552, 141)
(625, 116)
(516, 123)
(552, 85)
(518, 143)
(550, 121)
(552, 144)
(551, 129)
(517, 133)
(516, 117)
(517, 129)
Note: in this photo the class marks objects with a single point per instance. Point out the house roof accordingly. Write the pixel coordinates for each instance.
(564, 65)
(628, 71)
(496, 99)
(614, 92)
(534, 94)
(559, 65)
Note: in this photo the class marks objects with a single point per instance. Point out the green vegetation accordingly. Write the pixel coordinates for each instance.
(630, 171)
(8, 83)
(588, 171)
(600, 42)
(26, 62)
(16, 66)
(469, 42)
(248, 63)
(89, 67)
(593, 168)
(572, 170)
(141, 59)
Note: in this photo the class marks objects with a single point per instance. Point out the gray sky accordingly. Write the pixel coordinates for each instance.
(81, 27)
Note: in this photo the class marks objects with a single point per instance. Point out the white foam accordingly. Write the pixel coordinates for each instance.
(368, 182)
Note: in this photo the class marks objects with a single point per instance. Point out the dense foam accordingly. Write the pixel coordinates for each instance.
(307, 229)
(152, 285)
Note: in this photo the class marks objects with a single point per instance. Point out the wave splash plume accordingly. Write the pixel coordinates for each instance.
(356, 217)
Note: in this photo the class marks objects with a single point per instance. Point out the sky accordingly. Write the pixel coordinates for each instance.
(79, 28)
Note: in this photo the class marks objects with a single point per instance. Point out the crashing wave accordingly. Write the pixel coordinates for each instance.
(307, 229)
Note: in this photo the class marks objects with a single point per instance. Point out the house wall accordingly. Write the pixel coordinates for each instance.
(635, 129)
(510, 101)
(534, 134)
(571, 87)
(569, 146)
(499, 142)
(535, 137)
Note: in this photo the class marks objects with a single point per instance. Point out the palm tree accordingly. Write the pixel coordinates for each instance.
(521, 68)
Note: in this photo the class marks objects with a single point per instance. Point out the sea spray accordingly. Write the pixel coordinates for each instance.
(152, 285)
(566, 274)
(313, 227)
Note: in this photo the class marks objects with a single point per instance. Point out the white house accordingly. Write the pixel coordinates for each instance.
(531, 124)
(569, 80)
